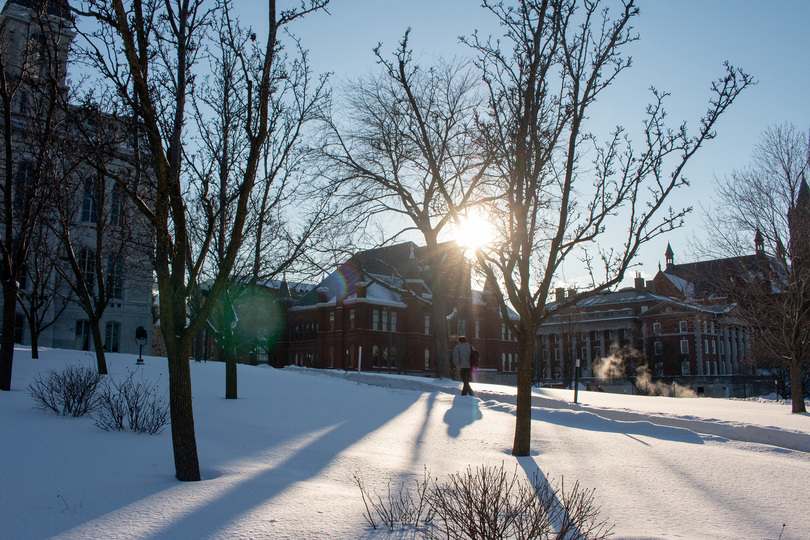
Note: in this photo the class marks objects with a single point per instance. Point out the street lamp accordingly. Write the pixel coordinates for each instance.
(140, 338)
(576, 380)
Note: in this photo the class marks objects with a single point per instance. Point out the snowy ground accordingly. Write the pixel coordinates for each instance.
(278, 462)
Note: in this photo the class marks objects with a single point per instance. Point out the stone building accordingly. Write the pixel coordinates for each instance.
(26, 30)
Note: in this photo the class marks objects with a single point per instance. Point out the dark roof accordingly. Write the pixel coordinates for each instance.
(712, 277)
(404, 260)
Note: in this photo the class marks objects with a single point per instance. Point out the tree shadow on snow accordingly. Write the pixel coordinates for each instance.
(593, 422)
(232, 491)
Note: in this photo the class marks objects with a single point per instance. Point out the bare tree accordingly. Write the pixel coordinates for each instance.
(271, 246)
(407, 152)
(33, 49)
(770, 200)
(154, 49)
(43, 296)
(557, 58)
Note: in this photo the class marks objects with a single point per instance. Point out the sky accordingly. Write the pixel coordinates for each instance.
(278, 463)
(681, 49)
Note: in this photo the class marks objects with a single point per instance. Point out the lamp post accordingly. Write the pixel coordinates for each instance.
(140, 338)
(576, 380)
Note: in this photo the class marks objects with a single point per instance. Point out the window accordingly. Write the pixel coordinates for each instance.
(23, 283)
(583, 353)
(331, 321)
(683, 327)
(87, 264)
(384, 320)
(477, 329)
(351, 318)
(705, 326)
(706, 345)
(112, 336)
(375, 319)
(684, 346)
(686, 368)
(116, 206)
(722, 347)
(557, 354)
(393, 321)
(89, 205)
(331, 356)
(510, 365)
(611, 334)
(427, 325)
(82, 335)
(659, 348)
(714, 346)
(503, 331)
(375, 356)
(708, 368)
(503, 361)
(115, 277)
(722, 368)
(656, 328)
(597, 352)
(427, 358)
(462, 327)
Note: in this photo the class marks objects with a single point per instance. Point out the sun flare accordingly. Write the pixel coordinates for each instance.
(473, 232)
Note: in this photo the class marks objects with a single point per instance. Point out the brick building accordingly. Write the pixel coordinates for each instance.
(679, 324)
(374, 311)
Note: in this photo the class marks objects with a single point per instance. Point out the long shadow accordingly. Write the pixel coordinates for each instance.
(329, 426)
(593, 422)
(420, 437)
(352, 424)
(464, 412)
(533, 471)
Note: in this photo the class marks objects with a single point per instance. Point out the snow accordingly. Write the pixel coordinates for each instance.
(278, 462)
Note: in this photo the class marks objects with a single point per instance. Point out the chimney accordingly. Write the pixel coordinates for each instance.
(322, 292)
(639, 282)
(572, 292)
(361, 289)
(559, 294)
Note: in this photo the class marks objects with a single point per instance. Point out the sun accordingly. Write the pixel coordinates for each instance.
(473, 232)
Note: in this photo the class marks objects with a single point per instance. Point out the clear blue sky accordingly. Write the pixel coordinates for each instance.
(682, 48)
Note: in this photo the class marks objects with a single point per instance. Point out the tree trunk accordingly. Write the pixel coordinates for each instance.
(184, 441)
(442, 349)
(796, 388)
(34, 345)
(230, 372)
(98, 343)
(523, 413)
(7, 338)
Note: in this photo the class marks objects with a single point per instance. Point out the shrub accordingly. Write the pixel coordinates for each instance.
(487, 503)
(74, 391)
(132, 405)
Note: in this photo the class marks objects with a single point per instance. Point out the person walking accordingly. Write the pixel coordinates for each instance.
(461, 359)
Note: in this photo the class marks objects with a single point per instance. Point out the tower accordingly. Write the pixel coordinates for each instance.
(759, 243)
(669, 256)
(35, 36)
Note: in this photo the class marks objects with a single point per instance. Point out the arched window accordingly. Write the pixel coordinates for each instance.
(427, 358)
